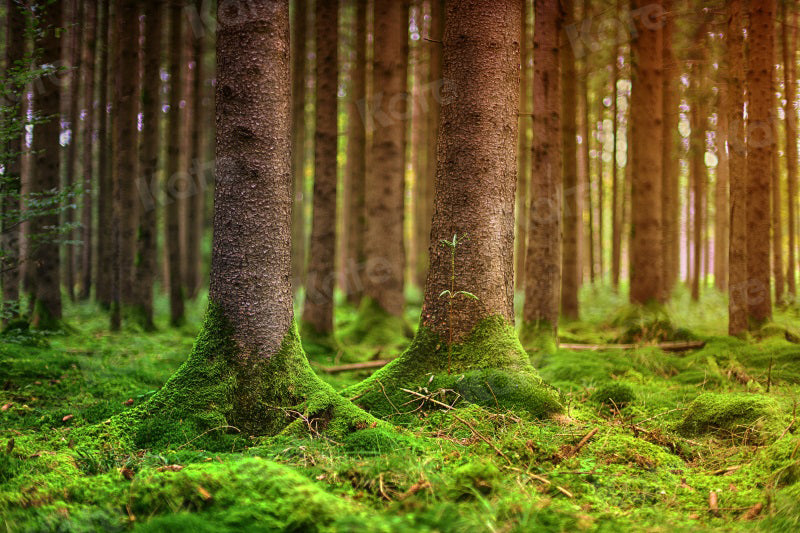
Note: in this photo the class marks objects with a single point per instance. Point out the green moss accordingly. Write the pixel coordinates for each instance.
(629, 450)
(614, 393)
(373, 326)
(378, 441)
(476, 478)
(647, 323)
(786, 513)
(735, 415)
(489, 368)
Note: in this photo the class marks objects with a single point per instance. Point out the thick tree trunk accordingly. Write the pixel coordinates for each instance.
(172, 177)
(523, 157)
(299, 51)
(737, 160)
(472, 337)
(722, 207)
(572, 214)
(12, 175)
(318, 310)
(105, 196)
(148, 163)
(357, 160)
(384, 249)
(543, 264)
(125, 134)
(789, 52)
(760, 144)
(669, 161)
(646, 149)
(87, 133)
(44, 248)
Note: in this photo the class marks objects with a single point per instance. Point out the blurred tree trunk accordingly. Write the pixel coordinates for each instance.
(543, 263)
(697, 149)
(571, 270)
(148, 162)
(777, 230)
(43, 247)
(617, 190)
(172, 168)
(669, 159)
(646, 151)
(789, 52)
(12, 178)
(737, 161)
(600, 185)
(318, 309)
(722, 207)
(105, 196)
(125, 139)
(87, 134)
(357, 159)
(523, 154)
(72, 115)
(299, 52)
(385, 253)
(584, 167)
(760, 35)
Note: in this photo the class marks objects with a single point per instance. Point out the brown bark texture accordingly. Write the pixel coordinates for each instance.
(105, 252)
(670, 208)
(721, 187)
(89, 49)
(475, 181)
(789, 52)
(73, 58)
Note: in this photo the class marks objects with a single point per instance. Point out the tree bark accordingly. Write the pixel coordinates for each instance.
(722, 207)
(148, 163)
(789, 52)
(299, 51)
(646, 149)
(105, 196)
(600, 185)
(697, 150)
(523, 156)
(572, 214)
(357, 159)
(616, 190)
(760, 144)
(777, 231)
(669, 160)
(585, 170)
(44, 249)
(12, 175)
(172, 177)
(318, 309)
(87, 132)
(72, 114)
(384, 248)
(737, 161)
(543, 264)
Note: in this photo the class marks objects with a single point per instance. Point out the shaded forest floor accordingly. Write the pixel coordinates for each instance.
(651, 440)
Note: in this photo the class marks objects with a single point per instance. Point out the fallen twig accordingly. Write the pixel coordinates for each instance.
(678, 346)
(355, 366)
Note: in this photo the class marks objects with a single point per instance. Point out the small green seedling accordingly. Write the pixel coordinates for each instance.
(452, 293)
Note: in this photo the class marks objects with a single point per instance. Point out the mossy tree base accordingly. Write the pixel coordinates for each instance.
(489, 368)
(219, 395)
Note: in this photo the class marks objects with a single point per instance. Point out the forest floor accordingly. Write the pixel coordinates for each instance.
(651, 440)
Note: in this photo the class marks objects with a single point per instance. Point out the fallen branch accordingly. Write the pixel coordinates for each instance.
(355, 366)
(673, 346)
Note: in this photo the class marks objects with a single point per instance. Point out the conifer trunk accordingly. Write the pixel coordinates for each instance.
(646, 148)
(74, 59)
(775, 211)
(105, 196)
(543, 264)
(760, 144)
(318, 309)
(523, 157)
(697, 150)
(44, 248)
(616, 188)
(669, 161)
(299, 51)
(789, 52)
(722, 207)
(88, 131)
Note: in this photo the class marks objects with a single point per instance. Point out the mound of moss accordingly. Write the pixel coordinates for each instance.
(476, 478)
(378, 441)
(739, 416)
(615, 393)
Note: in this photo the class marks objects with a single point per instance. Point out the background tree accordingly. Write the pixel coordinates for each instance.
(104, 147)
(669, 162)
(789, 53)
(299, 38)
(89, 48)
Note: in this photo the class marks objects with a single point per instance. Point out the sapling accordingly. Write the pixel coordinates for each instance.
(451, 293)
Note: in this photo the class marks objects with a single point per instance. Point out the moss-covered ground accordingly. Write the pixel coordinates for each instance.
(647, 440)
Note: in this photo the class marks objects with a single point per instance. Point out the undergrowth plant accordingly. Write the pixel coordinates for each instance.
(452, 293)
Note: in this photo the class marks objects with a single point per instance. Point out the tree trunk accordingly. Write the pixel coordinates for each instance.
(646, 152)
(318, 310)
(543, 264)
(88, 132)
(384, 249)
(523, 157)
(777, 205)
(299, 51)
(760, 35)
(722, 207)
(125, 133)
(737, 160)
(670, 184)
(357, 159)
(472, 338)
(584, 168)
(74, 59)
(697, 150)
(572, 213)
(148, 163)
(12, 175)
(418, 67)
(44, 248)
(247, 367)
(616, 190)
(600, 185)
(105, 196)
(789, 51)
(172, 175)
